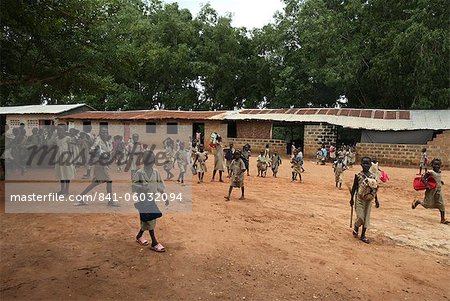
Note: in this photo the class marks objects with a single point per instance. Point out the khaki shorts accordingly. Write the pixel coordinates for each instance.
(150, 225)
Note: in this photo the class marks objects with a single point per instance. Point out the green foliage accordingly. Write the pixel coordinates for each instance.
(378, 53)
(132, 54)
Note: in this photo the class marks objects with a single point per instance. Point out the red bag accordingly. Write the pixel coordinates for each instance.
(384, 177)
(419, 185)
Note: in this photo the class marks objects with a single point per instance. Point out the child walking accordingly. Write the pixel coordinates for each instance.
(101, 151)
(200, 162)
(423, 161)
(261, 164)
(148, 181)
(319, 156)
(267, 155)
(246, 153)
(237, 170)
(433, 197)
(169, 160)
(219, 159)
(276, 162)
(296, 167)
(65, 170)
(365, 187)
(229, 155)
(339, 167)
(181, 157)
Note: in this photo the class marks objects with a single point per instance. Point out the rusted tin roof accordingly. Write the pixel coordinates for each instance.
(143, 115)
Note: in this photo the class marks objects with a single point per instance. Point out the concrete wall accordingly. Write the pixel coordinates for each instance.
(317, 134)
(30, 120)
(254, 129)
(259, 144)
(407, 154)
(118, 127)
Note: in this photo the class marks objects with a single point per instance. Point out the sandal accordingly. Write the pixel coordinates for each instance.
(142, 241)
(414, 204)
(445, 222)
(227, 198)
(365, 240)
(158, 248)
(355, 234)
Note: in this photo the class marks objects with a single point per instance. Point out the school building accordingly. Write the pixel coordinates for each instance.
(395, 137)
(36, 116)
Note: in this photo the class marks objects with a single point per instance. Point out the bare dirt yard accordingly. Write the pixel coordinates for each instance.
(286, 241)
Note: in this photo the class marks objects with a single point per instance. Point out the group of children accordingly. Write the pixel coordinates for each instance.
(147, 179)
(347, 153)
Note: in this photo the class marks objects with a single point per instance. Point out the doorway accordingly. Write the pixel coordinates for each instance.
(198, 128)
(291, 133)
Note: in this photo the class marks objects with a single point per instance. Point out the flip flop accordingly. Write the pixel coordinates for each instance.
(142, 241)
(158, 248)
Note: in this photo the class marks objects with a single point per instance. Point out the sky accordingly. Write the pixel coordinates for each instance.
(247, 13)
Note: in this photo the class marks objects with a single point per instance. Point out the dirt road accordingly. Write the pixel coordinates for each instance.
(286, 241)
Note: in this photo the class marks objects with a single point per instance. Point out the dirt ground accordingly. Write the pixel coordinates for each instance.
(286, 241)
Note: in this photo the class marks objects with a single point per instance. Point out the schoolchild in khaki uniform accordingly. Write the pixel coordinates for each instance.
(365, 187)
(433, 197)
(237, 171)
(200, 162)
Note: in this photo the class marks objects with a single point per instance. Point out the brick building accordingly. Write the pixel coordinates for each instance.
(393, 136)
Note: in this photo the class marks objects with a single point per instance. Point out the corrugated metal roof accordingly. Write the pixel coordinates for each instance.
(39, 109)
(381, 120)
(144, 115)
(371, 119)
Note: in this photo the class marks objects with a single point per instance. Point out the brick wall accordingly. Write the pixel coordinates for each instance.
(215, 126)
(259, 144)
(254, 129)
(317, 134)
(407, 154)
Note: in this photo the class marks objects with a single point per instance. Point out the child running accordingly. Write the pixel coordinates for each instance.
(148, 181)
(276, 162)
(200, 162)
(433, 197)
(365, 187)
(237, 170)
